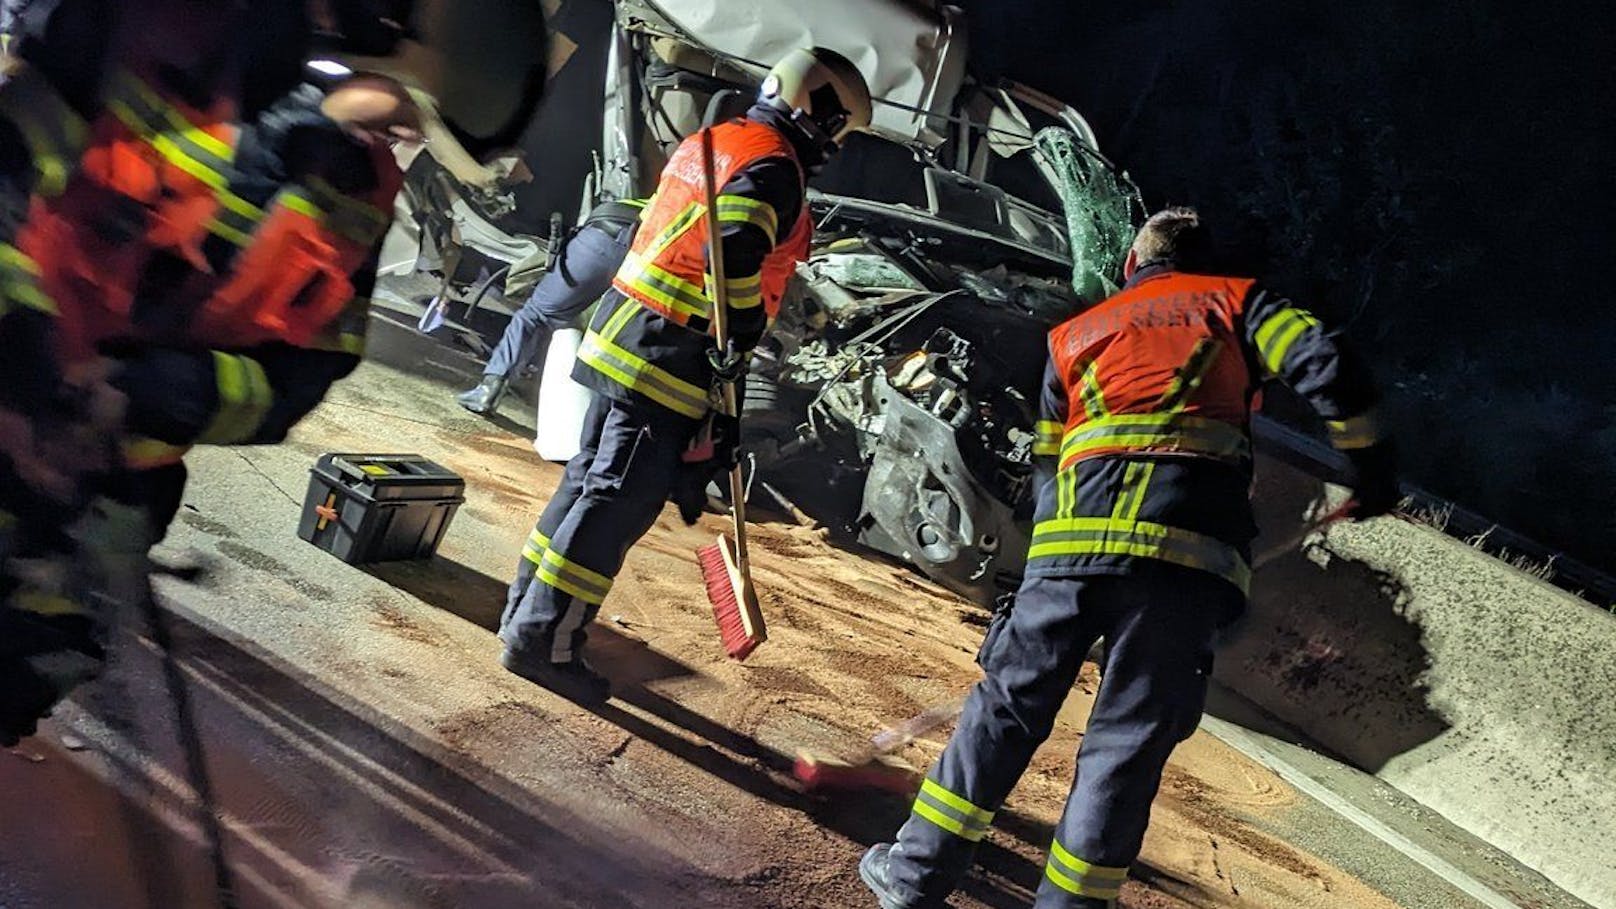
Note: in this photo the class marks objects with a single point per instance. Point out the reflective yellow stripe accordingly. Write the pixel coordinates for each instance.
(346, 333)
(942, 819)
(750, 284)
(180, 150)
(1066, 537)
(957, 802)
(298, 199)
(54, 133)
(744, 293)
(236, 219)
(534, 549)
(340, 341)
(1278, 332)
(950, 812)
(592, 578)
(28, 294)
(44, 604)
(619, 319)
(659, 285)
(653, 283)
(19, 282)
(1361, 431)
(572, 578)
(742, 210)
(1066, 493)
(1190, 377)
(230, 230)
(1089, 393)
(245, 396)
(15, 260)
(352, 218)
(352, 342)
(144, 454)
(176, 121)
(1047, 438)
(565, 585)
(637, 374)
(181, 143)
(1135, 479)
(1155, 432)
(1072, 874)
(676, 228)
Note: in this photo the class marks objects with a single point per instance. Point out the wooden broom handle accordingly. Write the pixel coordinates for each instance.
(719, 294)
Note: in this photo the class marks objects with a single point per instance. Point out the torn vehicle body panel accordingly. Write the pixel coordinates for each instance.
(891, 402)
(911, 54)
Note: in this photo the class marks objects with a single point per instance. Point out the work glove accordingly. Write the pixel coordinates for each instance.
(716, 444)
(726, 436)
(689, 491)
(728, 365)
(1374, 480)
(996, 625)
(714, 450)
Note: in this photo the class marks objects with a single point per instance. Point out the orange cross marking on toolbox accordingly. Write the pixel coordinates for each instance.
(327, 512)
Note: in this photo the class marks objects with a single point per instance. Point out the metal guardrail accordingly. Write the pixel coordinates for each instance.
(1317, 458)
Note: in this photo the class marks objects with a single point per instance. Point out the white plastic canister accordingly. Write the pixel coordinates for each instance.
(563, 403)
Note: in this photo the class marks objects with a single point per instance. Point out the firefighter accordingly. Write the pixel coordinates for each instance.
(583, 270)
(648, 352)
(1142, 535)
(58, 105)
(251, 353)
(205, 269)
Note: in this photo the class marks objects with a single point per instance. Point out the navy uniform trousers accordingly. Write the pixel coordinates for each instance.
(1159, 624)
(610, 495)
(588, 261)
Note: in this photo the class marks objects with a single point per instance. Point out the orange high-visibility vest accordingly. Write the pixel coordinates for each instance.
(146, 183)
(1184, 387)
(294, 277)
(155, 180)
(667, 263)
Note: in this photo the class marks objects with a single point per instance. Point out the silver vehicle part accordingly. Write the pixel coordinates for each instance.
(619, 168)
(909, 53)
(922, 504)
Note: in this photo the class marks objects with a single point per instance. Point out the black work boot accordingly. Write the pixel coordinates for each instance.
(485, 397)
(874, 872)
(573, 680)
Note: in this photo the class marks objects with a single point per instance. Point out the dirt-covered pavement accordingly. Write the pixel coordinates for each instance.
(365, 749)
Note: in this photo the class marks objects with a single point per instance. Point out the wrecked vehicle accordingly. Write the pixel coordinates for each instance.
(894, 402)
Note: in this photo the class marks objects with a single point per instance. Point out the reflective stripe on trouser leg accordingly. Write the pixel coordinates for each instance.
(1081, 878)
(622, 492)
(584, 590)
(1028, 672)
(1159, 646)
(555, 510)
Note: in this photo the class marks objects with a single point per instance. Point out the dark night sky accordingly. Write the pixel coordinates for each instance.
(1434, 175)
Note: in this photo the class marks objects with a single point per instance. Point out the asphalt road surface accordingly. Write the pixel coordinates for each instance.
(364, 748)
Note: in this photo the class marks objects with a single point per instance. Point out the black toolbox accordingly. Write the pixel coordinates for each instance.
(379, 507)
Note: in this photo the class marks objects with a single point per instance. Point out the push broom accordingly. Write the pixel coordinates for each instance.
(724, 565)
(868, 771)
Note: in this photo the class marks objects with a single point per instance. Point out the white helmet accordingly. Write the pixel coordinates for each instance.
(822, 91)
